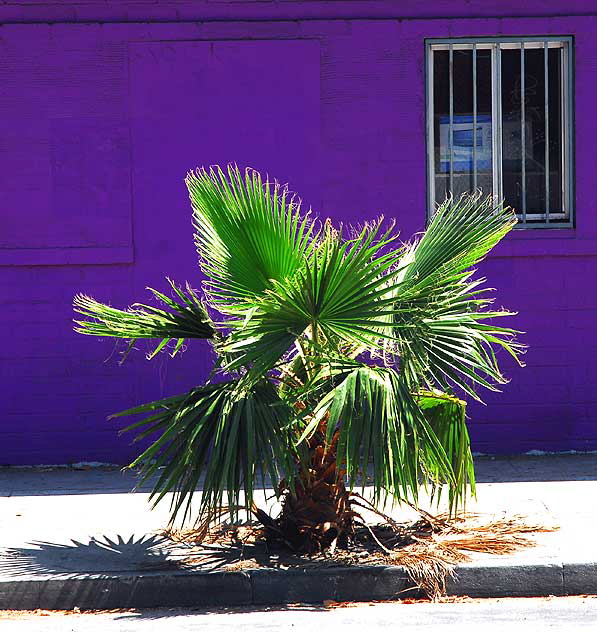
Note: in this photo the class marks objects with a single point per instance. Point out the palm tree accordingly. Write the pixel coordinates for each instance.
(338, 354)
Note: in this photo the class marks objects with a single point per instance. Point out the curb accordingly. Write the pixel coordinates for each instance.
(274, 586)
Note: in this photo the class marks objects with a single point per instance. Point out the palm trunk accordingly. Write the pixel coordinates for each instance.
(316, 511)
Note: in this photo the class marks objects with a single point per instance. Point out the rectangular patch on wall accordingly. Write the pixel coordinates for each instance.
(65, 152)
(90, 173)
(200, 103)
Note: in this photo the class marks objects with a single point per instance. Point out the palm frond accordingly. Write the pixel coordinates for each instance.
(446, 415)
(460, 234)
(248, 233)
(444, 334)
(188, 319)
(444, 339)
(221, 436)
(382, 429)
(337, 295)
(304, 309)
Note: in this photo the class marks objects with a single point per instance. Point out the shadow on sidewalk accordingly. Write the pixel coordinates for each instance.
(155, 614)
(105, 556)
(99, 556)
(540, 468)
(118, 573)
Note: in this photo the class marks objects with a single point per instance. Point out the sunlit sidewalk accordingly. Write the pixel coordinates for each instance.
(78, 523)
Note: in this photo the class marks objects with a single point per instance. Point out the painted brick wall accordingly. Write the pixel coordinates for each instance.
(105, 105)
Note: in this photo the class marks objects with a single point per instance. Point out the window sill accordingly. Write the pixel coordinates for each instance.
(549, 243)
(66, 256)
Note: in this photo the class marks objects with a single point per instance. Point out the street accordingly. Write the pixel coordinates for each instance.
(464, 615)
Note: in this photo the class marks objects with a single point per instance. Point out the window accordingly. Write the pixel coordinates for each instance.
(499, 119)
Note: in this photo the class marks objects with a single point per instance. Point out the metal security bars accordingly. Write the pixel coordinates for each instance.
(500, 120)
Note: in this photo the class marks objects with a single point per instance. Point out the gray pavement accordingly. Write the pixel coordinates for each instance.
(82, 537)
(564, 614)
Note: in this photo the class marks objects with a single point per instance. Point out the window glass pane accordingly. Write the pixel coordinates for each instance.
(533, 143)
(535, 162)
(441, 112)
(555, 131)
(468, 149)
(534, 130)
(512, 128)
(462, 127)
(534, 100)
(484, 156)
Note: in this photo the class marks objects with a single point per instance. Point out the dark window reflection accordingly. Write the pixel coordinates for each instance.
(465, 159)
(534, 130)
(471, 147)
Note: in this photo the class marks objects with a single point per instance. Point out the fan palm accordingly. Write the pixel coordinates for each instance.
(338, 358)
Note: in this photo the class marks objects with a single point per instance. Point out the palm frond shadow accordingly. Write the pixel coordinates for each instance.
(239, 556)
(225, 549)
(101, 555)
(173, 613)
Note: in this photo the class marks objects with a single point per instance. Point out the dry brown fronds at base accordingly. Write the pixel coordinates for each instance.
(428, 549)
(497, 537)
(214, 529)
(223, 534)
(429, 569)
(491, 544)
(430, 559)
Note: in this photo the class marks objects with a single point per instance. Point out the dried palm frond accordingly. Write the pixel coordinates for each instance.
(429, 549)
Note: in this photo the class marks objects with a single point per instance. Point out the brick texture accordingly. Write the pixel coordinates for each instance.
(99, 122)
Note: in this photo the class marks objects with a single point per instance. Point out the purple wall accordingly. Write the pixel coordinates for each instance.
(100, 120)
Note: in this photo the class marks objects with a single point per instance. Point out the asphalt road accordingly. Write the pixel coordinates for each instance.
(489, 615)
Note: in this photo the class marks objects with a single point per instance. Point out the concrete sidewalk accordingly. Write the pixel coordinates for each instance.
(82, 538)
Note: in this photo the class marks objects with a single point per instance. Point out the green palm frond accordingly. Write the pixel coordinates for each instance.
(338, 295)
(229, 437)
(306, 314)
(444, 331)
(188, 319)
(461, 233)
(446, 339)
(249, 233)
(382, 429)
(447, 417)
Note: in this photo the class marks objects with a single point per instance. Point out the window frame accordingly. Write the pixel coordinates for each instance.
(496, 44)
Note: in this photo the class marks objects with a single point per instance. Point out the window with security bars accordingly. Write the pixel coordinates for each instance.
(499, 120)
